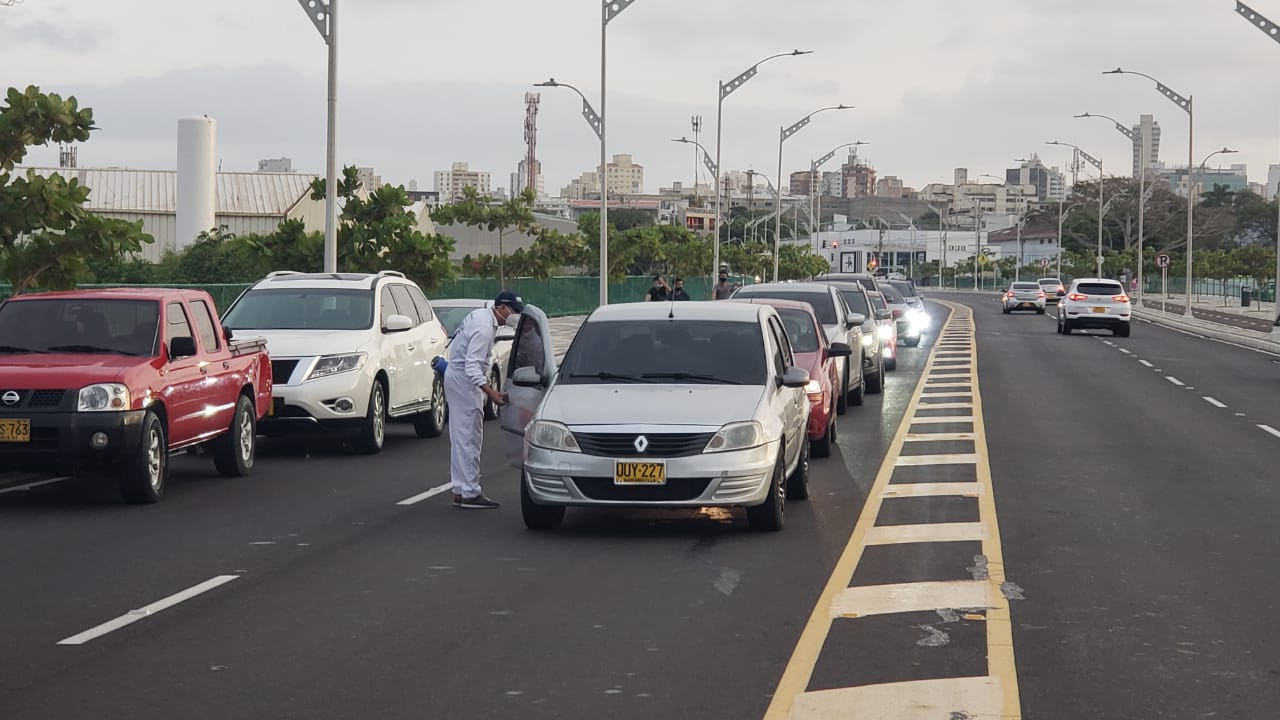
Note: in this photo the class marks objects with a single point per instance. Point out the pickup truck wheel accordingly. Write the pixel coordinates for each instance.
(538, 517)
(431, 423)
(142, 477)
(771, 515)
(373, 432)
(233, 453)
(491, 409)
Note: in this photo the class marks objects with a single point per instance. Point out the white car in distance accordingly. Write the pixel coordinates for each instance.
(349, 351)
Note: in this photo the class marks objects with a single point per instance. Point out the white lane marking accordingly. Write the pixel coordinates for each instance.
(943, 396)
(1174, 380)
(938, 437)
(1109, 343)
(1269, 429)
(967, 697)
(942, 420)
(857, 602)
(1214, 402)
(146, 611)
(1126, 352)
(945, 406)
(931, 532)
(1146, 364)
(426, 495)
(34, 485)
(919, 460)
(964, 489)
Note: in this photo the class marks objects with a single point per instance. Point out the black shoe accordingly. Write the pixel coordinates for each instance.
(479, 502)
(457, 499)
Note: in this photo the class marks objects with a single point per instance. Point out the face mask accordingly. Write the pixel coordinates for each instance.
(513, 320)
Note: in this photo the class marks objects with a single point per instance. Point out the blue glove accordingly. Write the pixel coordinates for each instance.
(439, 364)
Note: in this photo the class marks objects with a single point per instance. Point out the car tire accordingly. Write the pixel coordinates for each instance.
(538, 517)
(842, 399)
(142, 477)
(431, 423)
(860, 394)
(233, 453)
(1039, 311)
(821, 447)
(875, 385)
(912, 342)
(373, 431)
(492, 411)
(1122, 331)
(892, 363)
(798, 482)
(1005, 310)
(771, 515)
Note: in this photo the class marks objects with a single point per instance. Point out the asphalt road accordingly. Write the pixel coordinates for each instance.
(313, 594)
(1261, 321)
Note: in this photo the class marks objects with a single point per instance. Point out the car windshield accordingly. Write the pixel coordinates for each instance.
(1098, 289)
(704, 352)
(877, 301)
(1049, 282)
(302, 309)
(905, 288)
(801, 329)
(89, 325)
(823, 305)
(452, 316)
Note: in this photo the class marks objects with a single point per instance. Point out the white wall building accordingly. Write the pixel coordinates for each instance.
(1146, 144)
(450, 183)
(582, 187)
(624, 177)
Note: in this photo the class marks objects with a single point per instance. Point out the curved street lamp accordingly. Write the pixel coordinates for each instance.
(783, 134)
(815, 209)
(1272, 31)
(715, 175)
(1142, 185)
(1101, 208)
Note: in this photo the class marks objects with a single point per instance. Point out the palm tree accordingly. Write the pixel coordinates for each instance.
(1219, 196)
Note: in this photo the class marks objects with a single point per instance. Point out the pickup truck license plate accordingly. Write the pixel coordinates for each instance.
(15, 431)
(639, 473)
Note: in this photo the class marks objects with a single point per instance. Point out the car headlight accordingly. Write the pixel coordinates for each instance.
(336, 365)
(103, 397)
(813, 388)
(868, 340)
(737, 436)
(550, 435)
(886, 332)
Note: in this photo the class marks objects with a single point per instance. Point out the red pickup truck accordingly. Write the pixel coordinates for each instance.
(122, 378)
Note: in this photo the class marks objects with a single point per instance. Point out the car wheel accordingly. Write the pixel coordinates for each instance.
(798, 482)
(142, 477)
(538, 517)
(912, 341)
(1066, 327)
(373, 431)
(891, 364)
(1122, 331)
(431, 423)
(821, 447)
(233, 453)
(875, 385)
(842, 398)
(1039, 311)
(771, 515)
(860, 393)
(492, 411)
(1004, 310)
(1060, 331)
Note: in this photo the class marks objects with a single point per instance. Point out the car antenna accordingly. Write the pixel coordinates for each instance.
(671, 314)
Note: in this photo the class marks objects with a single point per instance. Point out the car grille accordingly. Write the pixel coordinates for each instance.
(35, 399)
(282, 370)
(665, 445)
(676, 490)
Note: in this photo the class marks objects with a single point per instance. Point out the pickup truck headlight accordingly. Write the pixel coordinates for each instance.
(550, 435)
(103, 397)
(737, 436)
(336, 365)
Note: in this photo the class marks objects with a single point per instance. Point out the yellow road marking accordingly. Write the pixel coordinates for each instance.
(965, 489)
(919, 460)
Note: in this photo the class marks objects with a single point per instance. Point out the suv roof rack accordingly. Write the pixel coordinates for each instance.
(392, 273)
(279, 273)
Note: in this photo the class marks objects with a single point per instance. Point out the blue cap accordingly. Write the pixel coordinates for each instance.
(511, 300)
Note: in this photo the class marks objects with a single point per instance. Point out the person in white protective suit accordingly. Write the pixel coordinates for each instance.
(466, 385)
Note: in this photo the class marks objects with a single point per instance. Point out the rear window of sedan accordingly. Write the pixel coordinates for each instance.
(1099, 289)
(802, 330)
(891, 295)
(1026, 286)
(705, 352)
(903, 287)
(823, 304)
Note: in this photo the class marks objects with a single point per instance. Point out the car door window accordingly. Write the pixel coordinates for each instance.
(784, 343)
(405, 302)
(205, 326)
(775, 351)
(420, 302)
(528, 347)
(176, 325)
(388, 306)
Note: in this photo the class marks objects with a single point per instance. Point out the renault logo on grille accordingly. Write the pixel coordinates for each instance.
(641, 444)
(10, 398)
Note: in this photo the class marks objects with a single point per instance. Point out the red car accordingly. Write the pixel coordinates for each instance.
(122, 378)
(814, 353)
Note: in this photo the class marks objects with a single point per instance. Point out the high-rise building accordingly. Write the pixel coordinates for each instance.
(1048, 182)
(519, 179)
(802, 182)
(858, 178)
(624, 177)
(889, 186)
(1273, 179)
(832, 183)
(1146, 144)
(450, 183)
(583, 187)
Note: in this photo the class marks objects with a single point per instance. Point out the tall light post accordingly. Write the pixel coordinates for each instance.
(783, 134)
(943, 238)
(711, 166)
(324, 15)
(725, 90)
(816, 165)
(1101, 178)
(1271, 30)
(1017, 271)
(1062, 214)
(1186, 103)
(1142, 185)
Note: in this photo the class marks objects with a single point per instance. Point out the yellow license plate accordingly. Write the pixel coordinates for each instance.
(15, 431)
(639, 473)
(1099, 310)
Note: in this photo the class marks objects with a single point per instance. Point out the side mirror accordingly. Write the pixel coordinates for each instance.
(857, 319)
(182, 347)
(839, 350)
(884, 315)
(398, 323)
(795, 378)
(850, 324)
(504, 334)
(526, 377)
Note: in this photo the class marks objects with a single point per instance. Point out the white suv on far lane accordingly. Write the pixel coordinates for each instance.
(1095, 303)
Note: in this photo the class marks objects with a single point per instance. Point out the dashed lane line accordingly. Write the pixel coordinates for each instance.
(1146, 364)
(146, 611)
(938, 437)
(960, 489)
(1270, 430)
(1174, 380)
(930, 532)
(437, 490)
(1214, 402)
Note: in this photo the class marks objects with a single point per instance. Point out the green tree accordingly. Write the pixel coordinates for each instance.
(47, 238)
(1219, 196)
(475, 210)
(798, 262)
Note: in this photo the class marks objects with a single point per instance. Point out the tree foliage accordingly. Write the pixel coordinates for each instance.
(47, 238)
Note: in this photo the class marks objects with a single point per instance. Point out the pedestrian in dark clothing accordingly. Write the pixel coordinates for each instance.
(659, 292)
(724, 289)
(678, 292)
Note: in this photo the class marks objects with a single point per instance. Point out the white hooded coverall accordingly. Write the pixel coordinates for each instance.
(467, 372)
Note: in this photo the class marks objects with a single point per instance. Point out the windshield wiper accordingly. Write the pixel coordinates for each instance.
(16, 349)
(611, 376)
(88, 349)
(715, 379)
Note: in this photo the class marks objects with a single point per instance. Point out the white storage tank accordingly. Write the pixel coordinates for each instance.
(197, 178)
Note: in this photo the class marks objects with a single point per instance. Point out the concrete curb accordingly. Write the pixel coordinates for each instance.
(1211, 330)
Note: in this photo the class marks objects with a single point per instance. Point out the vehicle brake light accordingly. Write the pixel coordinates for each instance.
(1041, 294)
(1077, 297)
(1061, 289)
(1009, 294)
(1120, 298)
(897, 314)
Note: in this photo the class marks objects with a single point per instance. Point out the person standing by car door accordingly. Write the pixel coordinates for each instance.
(466, 385)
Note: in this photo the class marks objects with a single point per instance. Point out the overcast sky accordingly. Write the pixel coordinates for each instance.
(937, 84)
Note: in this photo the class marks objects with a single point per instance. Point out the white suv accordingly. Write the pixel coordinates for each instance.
(348, 352)
(1095, 303)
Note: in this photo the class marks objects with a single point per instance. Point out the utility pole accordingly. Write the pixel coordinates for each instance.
(324, 15)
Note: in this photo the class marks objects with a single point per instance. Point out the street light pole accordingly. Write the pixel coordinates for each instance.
(1188, 106)
(814, 166)
(324, 15)
(1101, 207)
(783, 134)
(724, 91)
(1142, 185)
(706, 160)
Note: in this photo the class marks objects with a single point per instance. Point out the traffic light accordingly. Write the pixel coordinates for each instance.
(835, 244)
(872, 264)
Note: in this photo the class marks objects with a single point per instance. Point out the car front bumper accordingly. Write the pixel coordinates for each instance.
(66, 440)
(729, 479)
(312, 406)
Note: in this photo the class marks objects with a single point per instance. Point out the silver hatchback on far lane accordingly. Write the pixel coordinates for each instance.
(673, 405)
(1023, 296)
